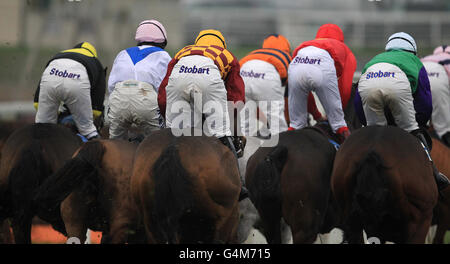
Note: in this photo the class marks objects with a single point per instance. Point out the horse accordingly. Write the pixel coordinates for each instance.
(383, 183)
(186, 189)
(441, 157)
(92, 190)
(292, 182)
(283, 189)
(29, 156)
(6, 129)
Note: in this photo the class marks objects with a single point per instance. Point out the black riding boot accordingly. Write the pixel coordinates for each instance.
(227, 141)
(441, 180)
(446, 139)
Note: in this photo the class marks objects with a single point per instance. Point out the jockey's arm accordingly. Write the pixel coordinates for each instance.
(422, 99)
(162, 88)
(346, 80)
(235, 87)
(36, 96)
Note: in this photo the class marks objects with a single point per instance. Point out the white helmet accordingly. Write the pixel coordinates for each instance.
(403, 41)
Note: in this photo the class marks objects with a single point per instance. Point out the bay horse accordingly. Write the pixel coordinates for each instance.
(29, 156)
(6, 129)
(441, 157)
(186, 189)
(292, 182)
(92, 190)
(383, 183)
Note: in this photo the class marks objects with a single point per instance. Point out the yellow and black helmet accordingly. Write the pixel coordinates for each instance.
(84, 48)
(210, 37)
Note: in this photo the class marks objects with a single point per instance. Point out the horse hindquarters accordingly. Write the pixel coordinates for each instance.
(173, 202)
(265, 192)
(30, 168)
(370, 199)
(68, 194)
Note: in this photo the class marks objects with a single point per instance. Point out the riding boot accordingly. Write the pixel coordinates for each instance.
(227, 141)
(446, 139)
(441, 180)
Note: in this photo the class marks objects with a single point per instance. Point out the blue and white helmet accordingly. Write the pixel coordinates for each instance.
(402, 41)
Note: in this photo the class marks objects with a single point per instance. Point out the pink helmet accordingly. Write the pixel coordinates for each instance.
(442, 49)
(151, 31)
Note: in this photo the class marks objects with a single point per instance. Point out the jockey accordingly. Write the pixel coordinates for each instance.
(76, 78)
(324, 65)
(134, 80)
(210, 73)
(438, 68)
(264, 72)
(397, 80)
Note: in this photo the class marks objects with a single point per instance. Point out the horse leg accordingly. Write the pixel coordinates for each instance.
(272, 229)
(304, 236)
(353, 232)
(419, 231)
(106, 238)
(119, 229)
(73, 213)
(5, 232)
(21, 226)
(440, 233)
(228, 232)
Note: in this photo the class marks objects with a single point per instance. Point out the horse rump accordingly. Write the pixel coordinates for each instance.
(175, 216)
(78, 172)
(372, 201)
(265, 192)
(28, 170)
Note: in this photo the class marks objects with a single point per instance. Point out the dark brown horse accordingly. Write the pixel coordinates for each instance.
(6, 129)
(29, 156)
(292, 181)
(383, 182)
(92, 190)
(441, 157)
(186, 189)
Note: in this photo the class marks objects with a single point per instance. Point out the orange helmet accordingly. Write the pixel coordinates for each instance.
(275, 41)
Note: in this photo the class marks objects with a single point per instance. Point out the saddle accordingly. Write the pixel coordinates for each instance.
(324, 129)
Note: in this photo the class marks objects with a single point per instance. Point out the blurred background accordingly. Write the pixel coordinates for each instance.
(32, 31)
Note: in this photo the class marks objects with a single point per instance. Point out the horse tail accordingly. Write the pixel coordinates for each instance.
(79, 172)
(29, 169)
(265, 191)
(371, 194)
(173, 196)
